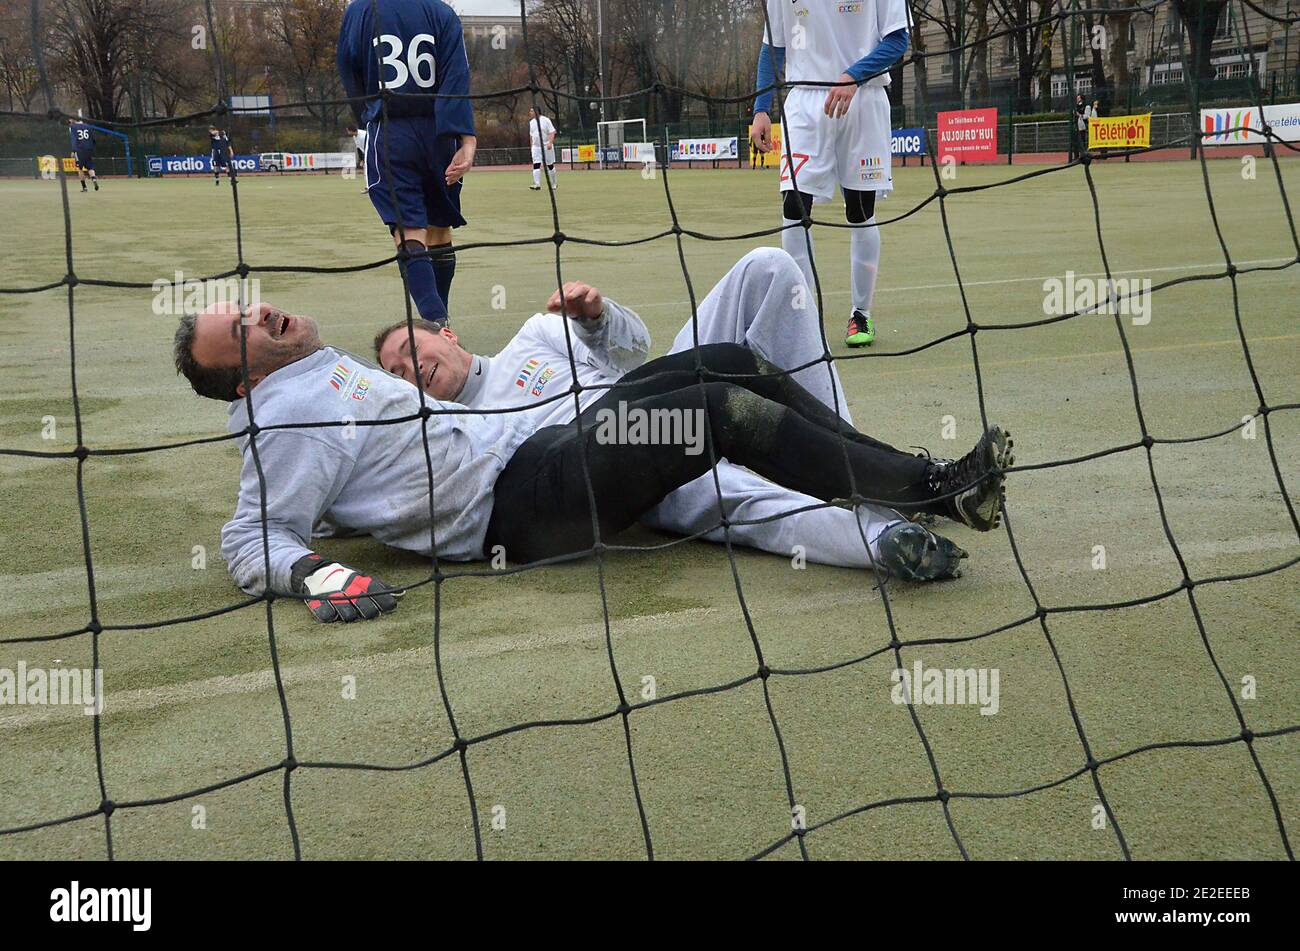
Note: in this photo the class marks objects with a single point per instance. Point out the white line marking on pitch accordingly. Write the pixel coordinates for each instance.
(648, 305)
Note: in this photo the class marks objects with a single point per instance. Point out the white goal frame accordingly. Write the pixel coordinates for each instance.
(613, 133)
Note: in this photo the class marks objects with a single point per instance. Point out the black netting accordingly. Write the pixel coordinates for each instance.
(1144, 441)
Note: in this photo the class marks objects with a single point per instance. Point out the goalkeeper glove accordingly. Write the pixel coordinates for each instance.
(339, 592)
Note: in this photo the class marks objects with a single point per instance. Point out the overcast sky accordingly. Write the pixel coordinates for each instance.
(486, 8)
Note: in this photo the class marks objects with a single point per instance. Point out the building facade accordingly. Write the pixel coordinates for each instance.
(1064, 58)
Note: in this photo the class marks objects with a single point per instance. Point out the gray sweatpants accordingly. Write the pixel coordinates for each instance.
(764, 304)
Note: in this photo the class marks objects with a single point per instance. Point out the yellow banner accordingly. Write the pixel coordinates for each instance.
(766, 159)
(1119, 132)
(586, 153)
(69, 164)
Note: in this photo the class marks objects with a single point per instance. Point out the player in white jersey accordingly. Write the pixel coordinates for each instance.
(541, 139)
(359, 138)
(749, 306)
(836, 136)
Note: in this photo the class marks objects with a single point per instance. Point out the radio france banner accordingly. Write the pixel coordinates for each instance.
(705, 150)
(183, 164)
(1284, 120)
(907, 142)
(1119, 132)
(969, 135)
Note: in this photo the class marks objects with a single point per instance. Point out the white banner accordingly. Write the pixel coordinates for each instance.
(638, 151)
(707, 149)
(307, 161)
(1238, 125)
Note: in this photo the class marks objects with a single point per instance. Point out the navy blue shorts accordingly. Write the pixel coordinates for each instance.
(220, 159)
(413, 174)
(86, 160)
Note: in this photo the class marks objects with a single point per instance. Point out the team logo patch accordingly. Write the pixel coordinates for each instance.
(349, 382)
(542, 379)
(526, 372)
(339, 378)
(870, 169)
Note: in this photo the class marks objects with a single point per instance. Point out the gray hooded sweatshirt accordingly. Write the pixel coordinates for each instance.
(361, 478)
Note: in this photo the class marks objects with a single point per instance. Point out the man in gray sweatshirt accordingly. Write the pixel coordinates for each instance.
(325, 435)
(318, 451)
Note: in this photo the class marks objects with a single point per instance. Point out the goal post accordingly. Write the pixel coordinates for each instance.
(615, 134)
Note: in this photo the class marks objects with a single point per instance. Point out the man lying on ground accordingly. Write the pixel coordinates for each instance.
(325, 436)
(762, 303)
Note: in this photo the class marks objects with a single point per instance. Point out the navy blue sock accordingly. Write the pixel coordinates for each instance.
(422, 282)
(444, 269)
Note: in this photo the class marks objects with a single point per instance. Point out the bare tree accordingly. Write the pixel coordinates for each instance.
(1117, 32)
(1202, 19)
(90, 42)
(977, 68)
(1031, 40)
(17, 62)
(304, 36)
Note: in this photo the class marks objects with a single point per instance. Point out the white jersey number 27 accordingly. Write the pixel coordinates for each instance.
(416, 61)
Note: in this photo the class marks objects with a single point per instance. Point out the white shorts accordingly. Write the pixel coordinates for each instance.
(550, 156)
(851, 151)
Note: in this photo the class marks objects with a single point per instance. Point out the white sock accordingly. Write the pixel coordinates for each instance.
(537, 177)
(550, 173)
(798, 242)
(864, 264)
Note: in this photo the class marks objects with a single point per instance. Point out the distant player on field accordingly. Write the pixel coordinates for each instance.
(358, 137)
(541, 139)
(418, 154)
(83, 148)
(836, 136)
(219, 143)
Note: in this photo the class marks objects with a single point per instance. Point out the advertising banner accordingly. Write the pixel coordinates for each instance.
(1283, 120)
(190, 164)
(638, 152)
(968, 135)
(905, 142)
(1119, 132)
(773, 158)
(704, 150)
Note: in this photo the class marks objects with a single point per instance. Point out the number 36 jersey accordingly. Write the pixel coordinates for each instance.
(416, 49)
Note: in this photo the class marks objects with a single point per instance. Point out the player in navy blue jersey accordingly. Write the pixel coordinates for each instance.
(82, 137)
(417, 147)
(219, 143)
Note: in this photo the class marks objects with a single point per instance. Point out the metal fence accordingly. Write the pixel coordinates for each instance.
(1054, 136)
(26, 167)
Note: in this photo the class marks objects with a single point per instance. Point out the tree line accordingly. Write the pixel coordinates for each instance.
(121, 59)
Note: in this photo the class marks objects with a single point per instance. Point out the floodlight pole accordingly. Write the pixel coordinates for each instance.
(600, 53)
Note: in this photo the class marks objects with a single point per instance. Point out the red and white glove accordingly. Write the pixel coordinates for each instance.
(339, 592)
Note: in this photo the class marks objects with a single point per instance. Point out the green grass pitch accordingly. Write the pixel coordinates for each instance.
(194, 705)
